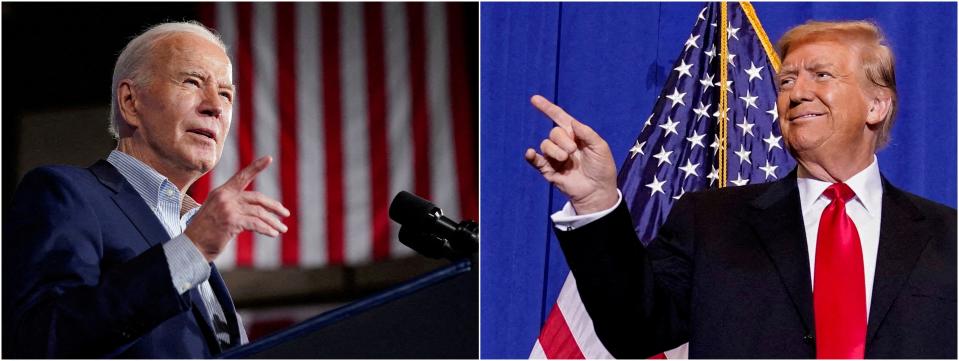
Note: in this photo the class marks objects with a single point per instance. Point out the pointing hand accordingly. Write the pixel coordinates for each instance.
(576, 160)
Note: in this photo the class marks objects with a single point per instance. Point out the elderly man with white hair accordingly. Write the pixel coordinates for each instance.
(116, 260)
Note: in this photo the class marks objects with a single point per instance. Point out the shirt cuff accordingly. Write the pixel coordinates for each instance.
(188, 267)
(567, 219)
(244, 339)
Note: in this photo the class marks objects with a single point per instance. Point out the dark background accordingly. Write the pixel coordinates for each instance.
(59, 59)
(57, 72)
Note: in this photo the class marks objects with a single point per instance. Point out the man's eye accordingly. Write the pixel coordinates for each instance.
(823, 75)
(192, 81)
(227, 96)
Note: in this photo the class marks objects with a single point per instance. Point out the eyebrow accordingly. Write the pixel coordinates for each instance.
(194, 73)
(813, 65)
(787, 70)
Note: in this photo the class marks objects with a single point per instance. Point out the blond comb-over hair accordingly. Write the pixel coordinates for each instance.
(875, 56)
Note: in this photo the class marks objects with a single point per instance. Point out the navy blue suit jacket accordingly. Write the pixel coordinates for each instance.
(729, 273)
(85, 275)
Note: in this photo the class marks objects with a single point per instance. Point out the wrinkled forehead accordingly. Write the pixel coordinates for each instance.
(191, 52)
(819, 52)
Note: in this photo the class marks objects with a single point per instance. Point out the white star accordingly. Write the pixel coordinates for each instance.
(696, 139)
(707, 82)
(713, 25)
(636, 149)
(701, 17)
(648, 121)
(774, 112)
(753, 72)
(743, 155)
(749, 99)
(663, 156)
(702, 111)
(729, 85)
(656, 186)
(677, 97)
(689, 169)
(773, 141)
(740, 181)
(683, 69)
(769, 169)
(691, 42)
(711, 52)
(719, 112)
(713, 176)
(731, 57)
(731, 32)
(670, 126)
(746, 127)
(715, 145)
(680, 195)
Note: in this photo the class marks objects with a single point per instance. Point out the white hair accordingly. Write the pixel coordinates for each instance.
(130, 63)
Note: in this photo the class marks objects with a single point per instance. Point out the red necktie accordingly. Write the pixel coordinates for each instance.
(839, 291)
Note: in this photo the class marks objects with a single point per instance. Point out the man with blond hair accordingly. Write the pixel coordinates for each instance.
(831, 261)
(116, 260)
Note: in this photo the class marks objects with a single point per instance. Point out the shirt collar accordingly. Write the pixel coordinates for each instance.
(147, 181)
(867, 184)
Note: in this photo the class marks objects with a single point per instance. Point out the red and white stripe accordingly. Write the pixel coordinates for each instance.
(399, 108)
(355, 102)
(568, 332)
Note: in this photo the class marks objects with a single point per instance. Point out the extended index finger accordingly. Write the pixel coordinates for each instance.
(554, 112)
(241, 179)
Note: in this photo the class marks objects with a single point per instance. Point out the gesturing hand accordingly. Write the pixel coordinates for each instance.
(230, 210)
(576, 160)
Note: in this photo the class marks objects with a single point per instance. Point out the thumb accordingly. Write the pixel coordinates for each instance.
(582, 133)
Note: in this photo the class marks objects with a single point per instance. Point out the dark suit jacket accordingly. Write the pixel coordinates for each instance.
(729, 273)
(84, 274)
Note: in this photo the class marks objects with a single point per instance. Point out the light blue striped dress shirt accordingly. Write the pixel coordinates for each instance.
(188, 267)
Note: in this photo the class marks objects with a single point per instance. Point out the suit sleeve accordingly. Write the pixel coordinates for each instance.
(65, 301)
(637, 297)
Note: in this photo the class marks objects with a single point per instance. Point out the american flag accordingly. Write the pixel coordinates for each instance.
(355, 102)
(713, 125)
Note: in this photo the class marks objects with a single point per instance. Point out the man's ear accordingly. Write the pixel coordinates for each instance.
(128, 103)
(880, 104)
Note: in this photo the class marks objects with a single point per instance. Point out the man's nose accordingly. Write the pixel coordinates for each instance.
(211, 104)
(801, 90)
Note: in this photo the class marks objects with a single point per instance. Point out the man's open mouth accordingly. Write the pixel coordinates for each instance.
(204, 132)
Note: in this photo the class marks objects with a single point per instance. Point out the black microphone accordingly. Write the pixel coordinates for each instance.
(427, 231)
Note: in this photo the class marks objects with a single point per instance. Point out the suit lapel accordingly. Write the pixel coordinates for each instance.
(139, 213)
(902, 237)
(777, 219)
(204, 320)
(131, 204)
(226, 302)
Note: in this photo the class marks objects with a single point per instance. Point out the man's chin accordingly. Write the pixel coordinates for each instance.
(198, 166)
(203, 160)
(205, 167)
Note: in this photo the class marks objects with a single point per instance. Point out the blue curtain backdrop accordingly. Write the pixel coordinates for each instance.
(605, 64)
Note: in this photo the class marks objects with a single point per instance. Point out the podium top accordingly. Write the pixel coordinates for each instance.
(344, 312)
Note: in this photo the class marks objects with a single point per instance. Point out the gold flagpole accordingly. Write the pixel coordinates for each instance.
(723, 99)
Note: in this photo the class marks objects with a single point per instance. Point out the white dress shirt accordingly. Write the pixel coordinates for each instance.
(188, 267)
(865, 210)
